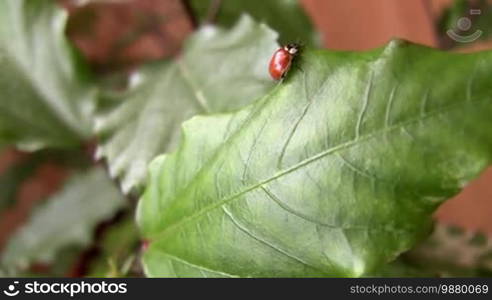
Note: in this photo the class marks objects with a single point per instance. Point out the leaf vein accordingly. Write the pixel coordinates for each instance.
(197, 92)
(355, 169)
(389, 105)
(180, 260)
(367, 95)
(309, 160)
(267, 243)
(296, 125)
(303, 216)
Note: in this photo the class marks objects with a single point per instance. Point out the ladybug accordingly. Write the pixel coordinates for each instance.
(282, 60)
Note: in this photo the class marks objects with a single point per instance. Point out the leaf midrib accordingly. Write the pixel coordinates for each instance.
(203, 104)
(173, 227)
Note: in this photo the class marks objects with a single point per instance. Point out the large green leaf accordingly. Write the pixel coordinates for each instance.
(284, 16)
(333, 173)
(65, 220)
(45, 95)
(218, 71)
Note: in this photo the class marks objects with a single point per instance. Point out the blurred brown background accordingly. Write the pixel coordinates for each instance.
(116, 34)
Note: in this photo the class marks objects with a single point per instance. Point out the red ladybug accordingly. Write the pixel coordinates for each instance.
(282, 60)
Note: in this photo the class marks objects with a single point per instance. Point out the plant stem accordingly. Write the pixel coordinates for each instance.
(191, 14)
(213, 11)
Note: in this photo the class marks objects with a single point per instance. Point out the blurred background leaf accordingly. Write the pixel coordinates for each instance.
(47, 99)
(13, 177)
(117, 250)
(219, 70)
(65, 221)
(287, 17)
(16, 173)
(450, 251)
(401, 268)
(454, 252)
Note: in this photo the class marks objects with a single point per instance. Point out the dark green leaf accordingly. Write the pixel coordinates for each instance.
(12, 178)
(16, 174)
(218, 71)
(117, 250)
(333, 173)
(66, 220)
(401, 268)
(46, 98)
(284, 16)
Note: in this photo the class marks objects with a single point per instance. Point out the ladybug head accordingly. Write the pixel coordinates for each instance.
(292, 48)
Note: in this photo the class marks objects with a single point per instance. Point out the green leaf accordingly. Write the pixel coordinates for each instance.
(66, 220)
(401, 268)
(13, 177)
(46, 98)
(116, 250)
(219, 71)
(286, 17)
(333, 173)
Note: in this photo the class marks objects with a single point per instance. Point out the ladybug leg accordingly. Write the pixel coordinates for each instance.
(287, 71)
